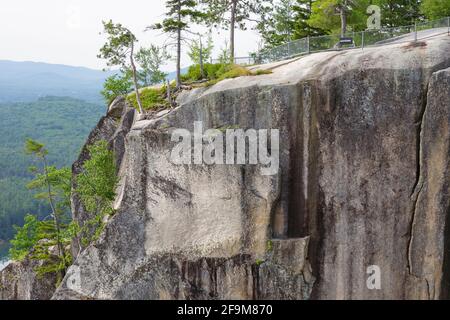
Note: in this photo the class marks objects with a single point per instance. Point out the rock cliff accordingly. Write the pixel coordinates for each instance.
(363, 181)
(19, 281)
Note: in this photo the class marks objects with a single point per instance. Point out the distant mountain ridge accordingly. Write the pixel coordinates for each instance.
(28, 81)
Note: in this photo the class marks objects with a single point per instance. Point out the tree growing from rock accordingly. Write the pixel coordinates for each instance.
(39, 237)
(180, 15)
(119, 50)
(45, 180)
(151, 60)
(235, 13)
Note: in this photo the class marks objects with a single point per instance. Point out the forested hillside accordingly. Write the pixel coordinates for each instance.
(59, 122)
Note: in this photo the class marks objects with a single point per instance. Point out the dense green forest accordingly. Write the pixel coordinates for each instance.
(62, 124)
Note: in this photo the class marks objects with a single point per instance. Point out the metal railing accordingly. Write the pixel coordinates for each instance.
(238, 60)
(362, 39)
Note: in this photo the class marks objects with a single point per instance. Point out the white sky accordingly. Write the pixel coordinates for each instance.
(67, 31)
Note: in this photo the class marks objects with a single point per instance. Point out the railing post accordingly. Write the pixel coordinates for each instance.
(448, 25)
(362, 40)
(308, 50)
(415, 31)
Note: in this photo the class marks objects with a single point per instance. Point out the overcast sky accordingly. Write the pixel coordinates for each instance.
(67, 31)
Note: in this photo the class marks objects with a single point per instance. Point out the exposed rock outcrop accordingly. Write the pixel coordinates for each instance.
(363, 180)
(19, 281)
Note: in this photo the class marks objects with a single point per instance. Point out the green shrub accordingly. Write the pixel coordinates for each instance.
(233, 71)
(261, 72)
(194, 73)
(116, 85)
(223, 68)
(96, 187)
(213, 69)
(229, 71)
(36, 240)
(218, 72)
(25, 239)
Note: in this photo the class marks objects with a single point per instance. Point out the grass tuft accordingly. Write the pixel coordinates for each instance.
(151, 98)
(217, 72)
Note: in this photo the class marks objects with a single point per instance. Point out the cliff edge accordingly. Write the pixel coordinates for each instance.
(363, 181)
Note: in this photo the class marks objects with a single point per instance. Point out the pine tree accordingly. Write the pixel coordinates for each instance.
(55, 188)
(278, 26)
(435, 9)
(178, 18)
(287, 22)
(235, 13)
(396, 13)
(302, 29)
(43, 181)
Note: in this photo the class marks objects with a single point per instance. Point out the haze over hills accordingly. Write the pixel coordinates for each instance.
(29, 81)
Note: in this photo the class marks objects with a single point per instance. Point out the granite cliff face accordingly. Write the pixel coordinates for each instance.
(363, 180)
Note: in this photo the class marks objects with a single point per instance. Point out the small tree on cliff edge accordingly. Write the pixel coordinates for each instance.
(54, 186)
(43, 180)
(180, 14)
(119, 51)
